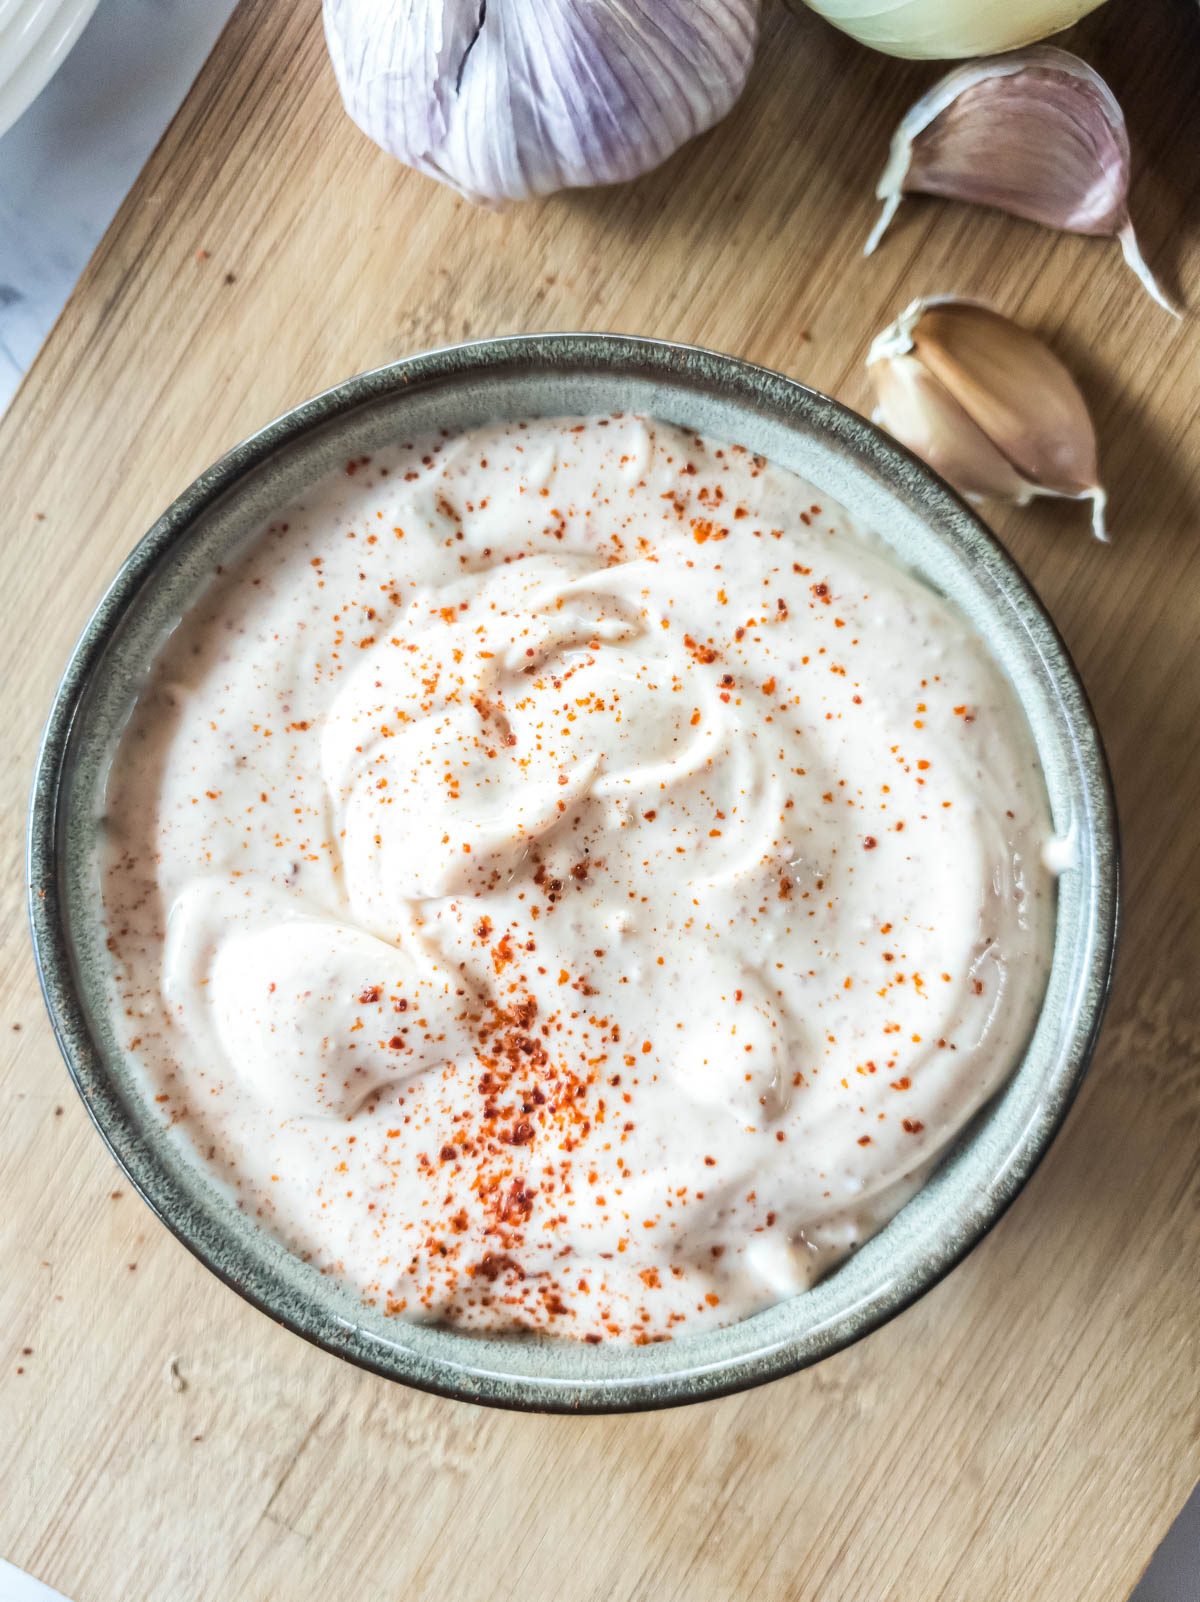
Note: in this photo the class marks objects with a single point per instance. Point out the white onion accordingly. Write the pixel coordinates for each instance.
(941, 28)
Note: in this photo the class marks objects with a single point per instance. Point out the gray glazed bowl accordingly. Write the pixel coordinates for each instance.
(525, 377)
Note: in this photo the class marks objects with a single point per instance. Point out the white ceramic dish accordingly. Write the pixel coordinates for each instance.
(557, 375)
(35, 39)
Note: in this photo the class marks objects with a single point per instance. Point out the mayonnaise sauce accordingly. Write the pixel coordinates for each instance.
(568, 877)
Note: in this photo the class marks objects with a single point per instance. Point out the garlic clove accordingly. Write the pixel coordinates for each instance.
(1036, 133)
(1016, 389)
(924, 416)
(948, 367)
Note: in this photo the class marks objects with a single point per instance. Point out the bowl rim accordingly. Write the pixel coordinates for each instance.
(611, 355)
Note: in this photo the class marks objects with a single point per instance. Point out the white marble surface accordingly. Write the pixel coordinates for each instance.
(66, 164)
(65, 167)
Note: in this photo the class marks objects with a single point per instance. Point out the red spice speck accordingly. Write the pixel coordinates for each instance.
(493, 1264)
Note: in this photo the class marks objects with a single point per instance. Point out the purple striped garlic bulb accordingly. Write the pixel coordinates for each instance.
(507, 99)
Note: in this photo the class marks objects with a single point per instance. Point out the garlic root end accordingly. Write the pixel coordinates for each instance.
(1133, 255)
(1099, 502)
(891, 205)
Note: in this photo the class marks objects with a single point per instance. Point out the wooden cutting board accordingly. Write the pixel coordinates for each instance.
(1031, 1426)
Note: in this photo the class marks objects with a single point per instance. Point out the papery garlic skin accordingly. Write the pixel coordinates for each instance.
(1037, 133)
(922, 414)
(986, 404)
(509, 99)
(936, 29)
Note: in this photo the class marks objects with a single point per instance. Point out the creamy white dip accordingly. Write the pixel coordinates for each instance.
(567, 876)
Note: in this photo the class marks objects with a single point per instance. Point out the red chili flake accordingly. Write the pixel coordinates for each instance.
(493, 1264)
(705, 654)
(371, 995)
(870, 843)
(911, 1126)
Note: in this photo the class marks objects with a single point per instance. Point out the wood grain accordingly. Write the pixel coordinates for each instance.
(1031, 1426)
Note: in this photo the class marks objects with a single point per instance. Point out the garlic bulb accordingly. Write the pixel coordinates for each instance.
(1036, 133)
(940, 28)
(986, 404)
(505, 99)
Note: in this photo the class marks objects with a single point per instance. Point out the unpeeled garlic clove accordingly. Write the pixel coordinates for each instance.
(924, 415)
(986, 404)
(1036, 133)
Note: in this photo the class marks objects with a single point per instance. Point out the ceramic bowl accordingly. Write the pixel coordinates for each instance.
(883, 486)
(36, 37)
